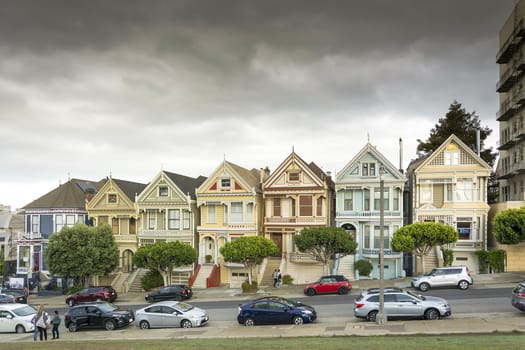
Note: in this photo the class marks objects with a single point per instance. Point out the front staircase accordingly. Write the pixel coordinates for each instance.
(134, 281)
(204, 273)
(271, 265)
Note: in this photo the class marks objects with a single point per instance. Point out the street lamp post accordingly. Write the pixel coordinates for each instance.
(381, 317)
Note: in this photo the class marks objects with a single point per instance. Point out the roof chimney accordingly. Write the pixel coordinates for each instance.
(401, 155)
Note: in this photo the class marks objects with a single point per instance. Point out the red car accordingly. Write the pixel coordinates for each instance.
(329, 284)
(102, 293)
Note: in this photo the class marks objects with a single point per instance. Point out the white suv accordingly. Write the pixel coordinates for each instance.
(450, 276)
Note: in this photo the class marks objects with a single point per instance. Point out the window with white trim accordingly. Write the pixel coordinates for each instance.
(35, 223)
(348, 200)
(236, 212)
(59, 222)
(185, 219)
(225, 183)
(173, 219)
(377, 237)
(163, 191)
(211, 214)
(152, 219)
(368, 169)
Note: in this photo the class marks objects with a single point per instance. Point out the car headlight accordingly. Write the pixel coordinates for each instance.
(308, 312)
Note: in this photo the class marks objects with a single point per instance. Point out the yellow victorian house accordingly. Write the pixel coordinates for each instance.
(167, 212)
(114, 204)
(450, 186)
(230, 204)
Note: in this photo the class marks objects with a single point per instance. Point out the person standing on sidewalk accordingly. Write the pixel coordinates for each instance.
(41, 322)
(56, 323)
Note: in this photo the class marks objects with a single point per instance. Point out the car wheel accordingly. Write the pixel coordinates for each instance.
(424, 287)
(144, 325)
(463, 285)
(432, 314)
(20, 329)
(248, 322)
(186, 324)
(297, 320)
(73, 327)
(310, 292)
(342, 290)
(371, 317)
(71, 302)
(109, 325)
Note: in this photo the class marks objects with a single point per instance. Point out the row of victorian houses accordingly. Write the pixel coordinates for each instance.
(448, 186)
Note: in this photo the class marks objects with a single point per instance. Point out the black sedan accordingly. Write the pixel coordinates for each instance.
(176, 292)
(275, 310)
(13, 296)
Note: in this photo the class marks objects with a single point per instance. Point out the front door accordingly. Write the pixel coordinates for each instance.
(277, 238)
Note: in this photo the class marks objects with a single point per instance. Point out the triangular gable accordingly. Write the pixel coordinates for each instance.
(240, 180)
(368, 153)
(291, 166)
(152, 192)
(467, 157)
(119, 188)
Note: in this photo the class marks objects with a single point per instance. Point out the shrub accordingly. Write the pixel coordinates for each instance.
(364, 267)
(249, 288)
(497, 260)
(483, 260)
(448, 256)
(287, 279)
(152, 279)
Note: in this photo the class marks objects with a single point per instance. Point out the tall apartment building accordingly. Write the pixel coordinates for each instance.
(511, 61)
(510, 171)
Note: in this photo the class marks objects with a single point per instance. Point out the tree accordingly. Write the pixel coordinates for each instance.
(249, 250)
(509, 226)
(464, 125)
(164, 257)
(81, 251)
(323, 243)
(421, 237)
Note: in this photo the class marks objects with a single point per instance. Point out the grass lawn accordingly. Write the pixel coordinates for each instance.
(419, 342)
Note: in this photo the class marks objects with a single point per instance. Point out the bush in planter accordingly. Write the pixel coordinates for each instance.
(249, 288)
(151, 280)
(208, 258)
(364, 267)
(287, 279)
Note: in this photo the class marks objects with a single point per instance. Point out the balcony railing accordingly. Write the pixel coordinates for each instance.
(302, 258)
(506, 110)
(511, 44)
(510, 169)
(296, 220)
(507, 79)
(374, 253)
(374, 213)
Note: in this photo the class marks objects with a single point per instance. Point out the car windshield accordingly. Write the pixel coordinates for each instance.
(108, 307)
(25, 310)
(417, 296)
(184, 306)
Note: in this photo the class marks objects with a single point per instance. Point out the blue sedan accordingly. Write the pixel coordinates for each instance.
(275, 310)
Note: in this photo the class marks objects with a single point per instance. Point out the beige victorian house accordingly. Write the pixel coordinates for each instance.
(114, 204)
(297, 195)
(230, 204)
(450, 186)
(167, 212)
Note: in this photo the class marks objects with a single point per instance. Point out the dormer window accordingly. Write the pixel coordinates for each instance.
(112, 198)
(163, 191)
(293, 176)
(368, 169)
(225, 184)
(451, 155)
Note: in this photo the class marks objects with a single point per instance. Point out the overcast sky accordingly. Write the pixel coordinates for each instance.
(127, 88)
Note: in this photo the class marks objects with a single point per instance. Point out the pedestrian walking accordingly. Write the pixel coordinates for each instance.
(279, 278)
(275, 278)
(41, 322)
(56, 323)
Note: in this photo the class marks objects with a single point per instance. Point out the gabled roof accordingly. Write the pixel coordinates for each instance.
(250, 179)
(71, 194)
(372, 150)
(424, 161)
(315, 173)
(186, 184)
(129, 188)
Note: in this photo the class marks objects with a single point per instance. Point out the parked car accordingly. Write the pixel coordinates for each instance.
(329, 284)
(176, 292)
(518, 296)
(16, 318)
(400, 304)
(450, 276)
(97, 315)
(18, 294)
(275, 310)
(90, 294)
(170, 314)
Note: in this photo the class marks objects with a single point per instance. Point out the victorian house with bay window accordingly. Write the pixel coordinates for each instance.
(358, 192)
(61, 207)
(230, 204)
(297, 195)
(167, 211)
(115, 205)
(450, 186)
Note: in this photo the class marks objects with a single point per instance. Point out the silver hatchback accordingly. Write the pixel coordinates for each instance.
(400, 304)
(450, 276)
